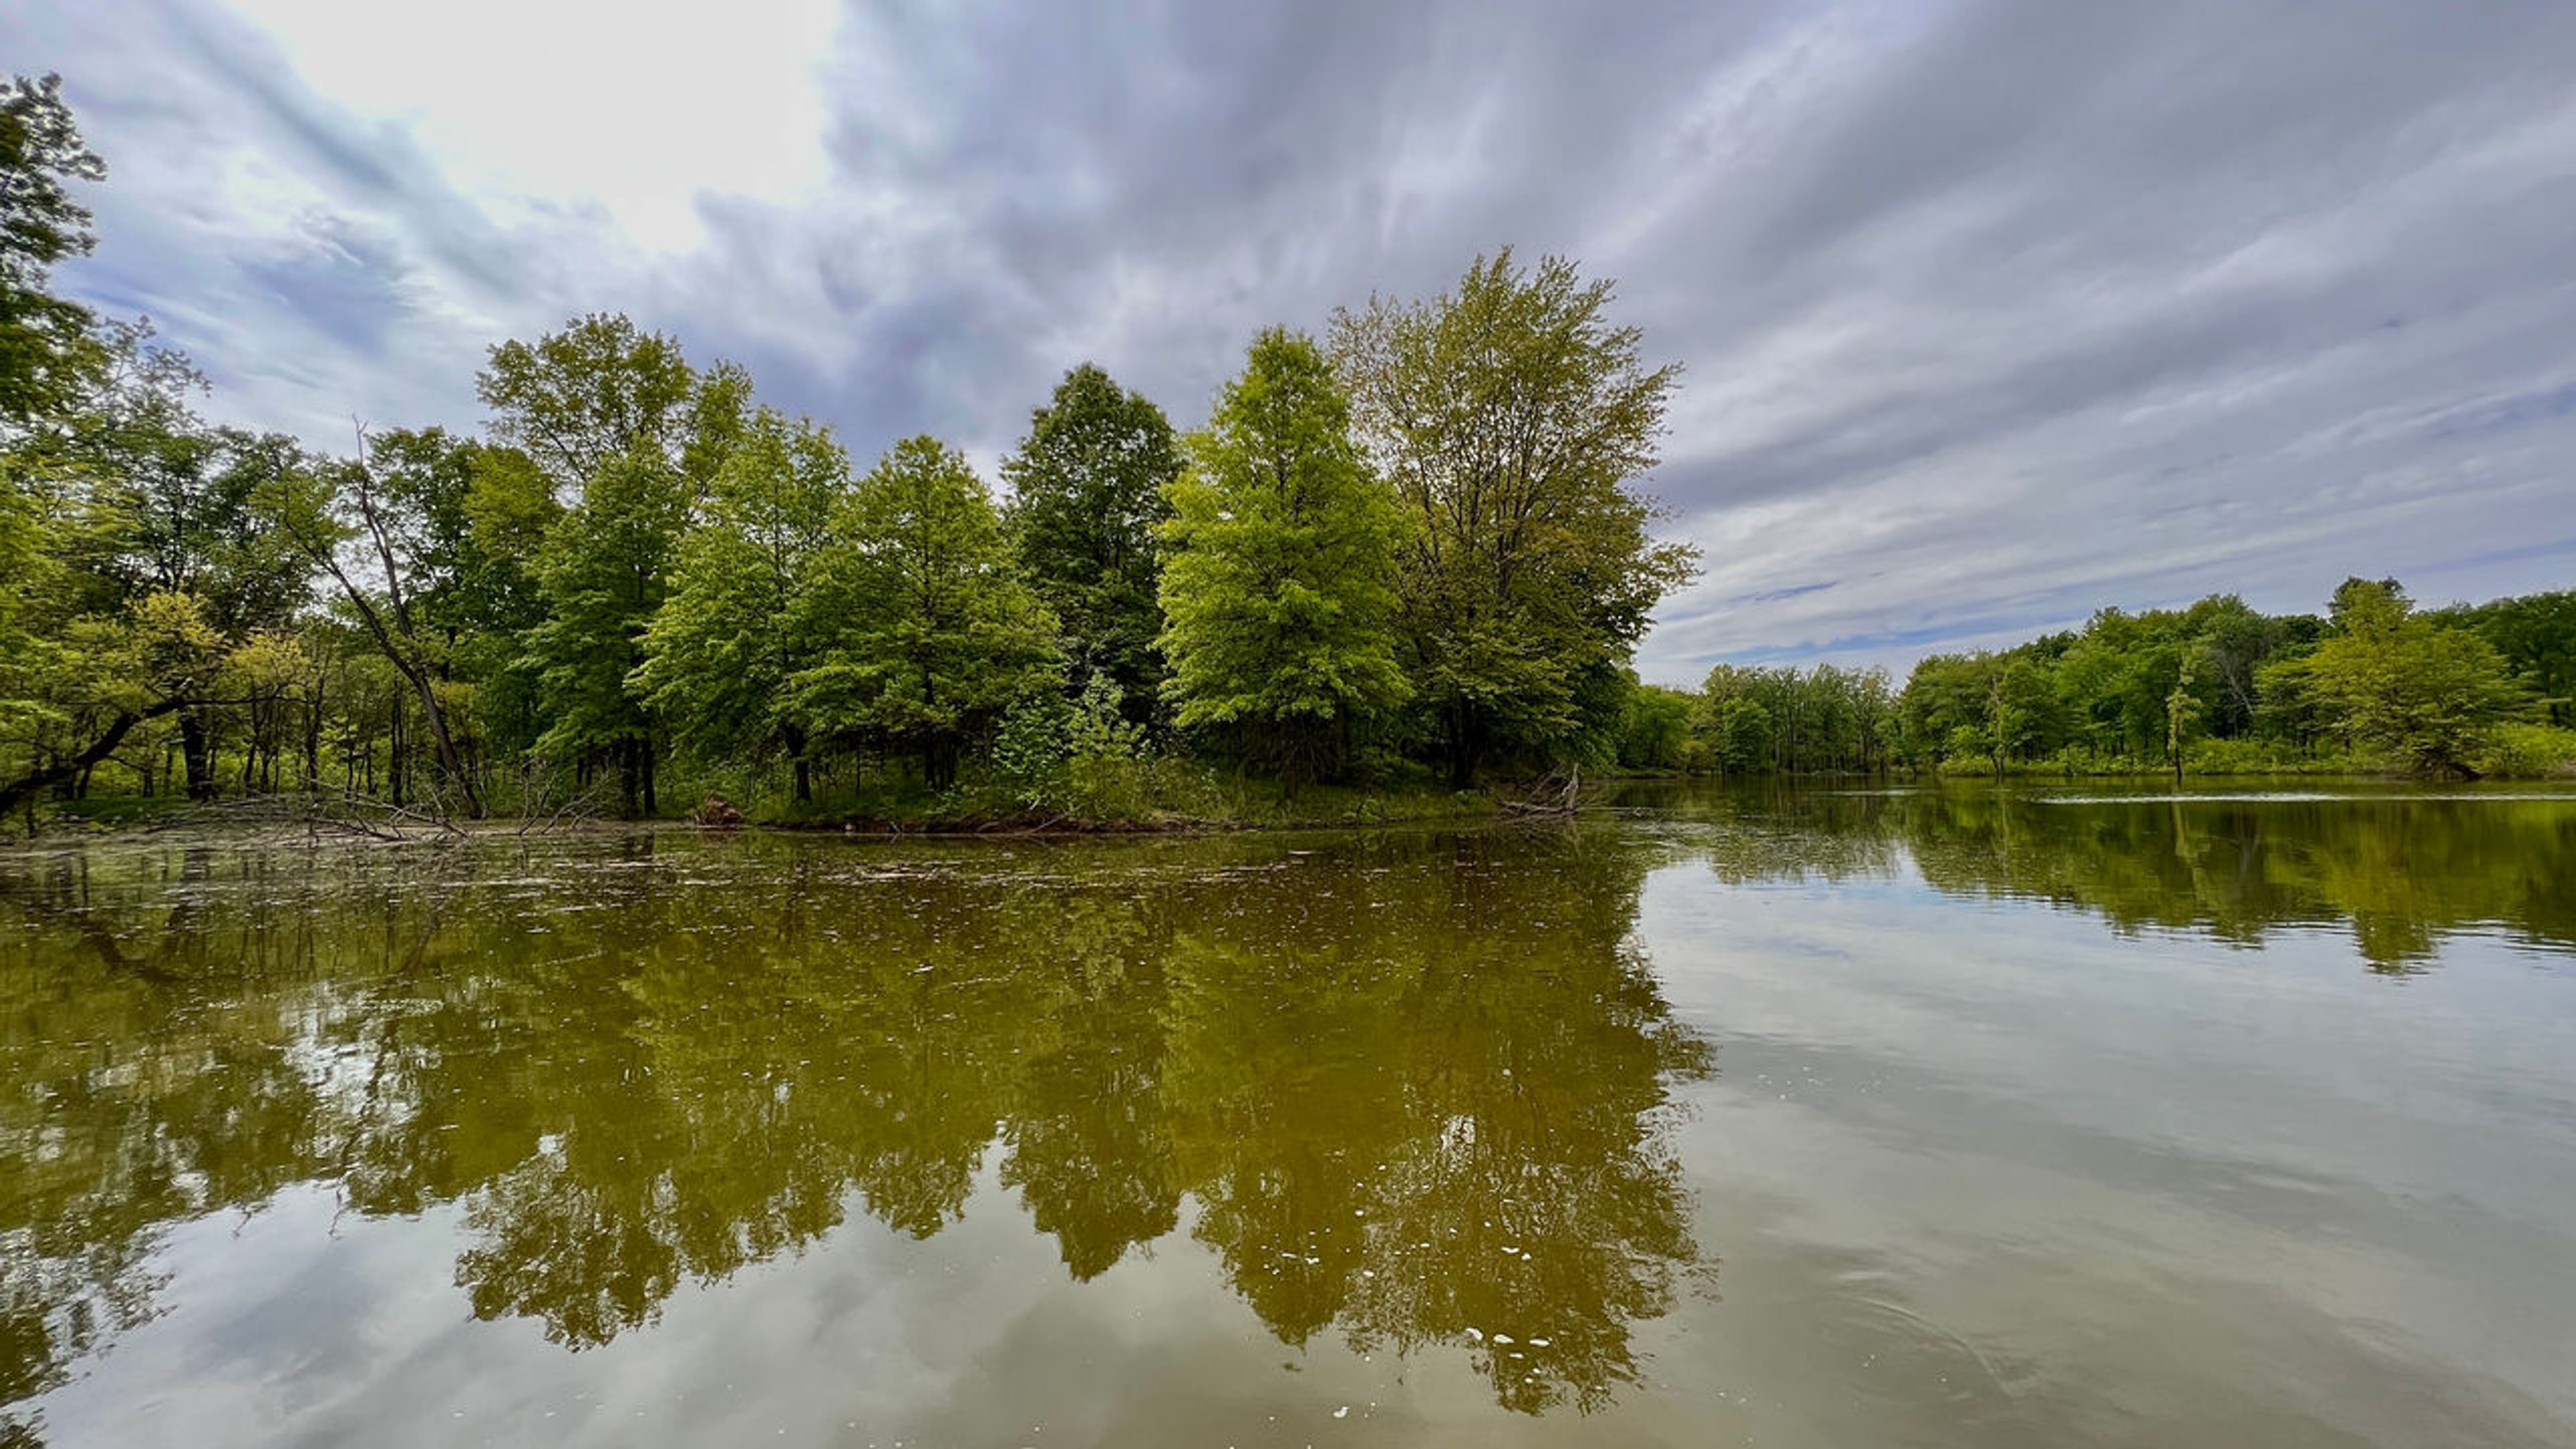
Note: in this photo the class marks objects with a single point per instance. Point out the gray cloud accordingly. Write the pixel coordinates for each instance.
(1991, 312)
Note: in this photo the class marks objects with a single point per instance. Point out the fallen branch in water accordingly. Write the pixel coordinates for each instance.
(1553, 795)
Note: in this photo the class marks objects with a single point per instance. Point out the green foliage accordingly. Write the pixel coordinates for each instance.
(603, 576)
(719, 652)
(599, 391)
(923, 634)
(1081, 758)
(2223, 689)
(1278, 613)
(1513, 420)
(1655, 728)
(2521, 751)
(1087, 491)
(2536, 634)
(47, 353)
(1820, 721)
(2399, 682)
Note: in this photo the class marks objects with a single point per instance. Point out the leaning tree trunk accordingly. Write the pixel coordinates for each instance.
(25, 789)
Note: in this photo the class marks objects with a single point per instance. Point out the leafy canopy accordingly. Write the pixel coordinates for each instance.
(46, 351)
(721, 649)
(2399, 681)
(1514, 419)
(1279, 617)
(1086, 493)
(922, 633)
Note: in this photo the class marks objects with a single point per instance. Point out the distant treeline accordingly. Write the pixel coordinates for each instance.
(1413, 549)
(2373, 684)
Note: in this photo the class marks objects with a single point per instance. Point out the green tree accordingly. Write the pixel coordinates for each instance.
(922, 632)
(2536, 634)
(510, 510)
(1743, 729)
(599, 390)
(1086, 494)
(46, 348)
(614, 417)
(2182, 715)
(603, 576)
(1655, 728)
(2395, 680)
(2024, 717)
(388, 538)
(1278, 615)
(720, 650)
(166, 507)
(156, 656)
(1513, 420)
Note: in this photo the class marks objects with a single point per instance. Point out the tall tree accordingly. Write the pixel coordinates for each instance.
(720, 651)
(1086, 493)
(389, 529)
(2536, 634)
(46, 350)
(603, 575)
(2398, 681)
(510, 510)
(924, 634)
(1279, 618)
(1514, 420)
(616, 419)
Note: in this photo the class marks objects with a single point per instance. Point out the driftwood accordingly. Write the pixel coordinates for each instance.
(320, 814)
(1555, 795)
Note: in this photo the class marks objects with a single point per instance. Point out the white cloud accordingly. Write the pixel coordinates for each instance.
(638, 107)
(1992, 313)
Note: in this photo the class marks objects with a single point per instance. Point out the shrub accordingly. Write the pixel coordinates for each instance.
(1083, 758)
(2526, 752)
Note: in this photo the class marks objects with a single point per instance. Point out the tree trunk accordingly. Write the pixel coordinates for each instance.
(1465, 742)
(804, 781)
(199, 753)
(313, 739)
(630, 783)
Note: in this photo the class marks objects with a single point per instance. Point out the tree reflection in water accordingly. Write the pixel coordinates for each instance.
(2397, 871)
(1408, 1090)
(1411, 1089)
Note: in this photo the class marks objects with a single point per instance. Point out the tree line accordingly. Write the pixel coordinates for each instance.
(2373, 684)
(1412, 548)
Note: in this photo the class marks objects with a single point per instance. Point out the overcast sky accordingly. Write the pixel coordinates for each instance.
(1991, 312)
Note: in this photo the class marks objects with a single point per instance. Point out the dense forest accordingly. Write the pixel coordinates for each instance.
(1412, 549)
(2375, 685)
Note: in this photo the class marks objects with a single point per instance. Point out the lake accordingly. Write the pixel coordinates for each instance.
(1814, 1117)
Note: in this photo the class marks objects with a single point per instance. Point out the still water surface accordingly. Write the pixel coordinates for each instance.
(1817, 1118)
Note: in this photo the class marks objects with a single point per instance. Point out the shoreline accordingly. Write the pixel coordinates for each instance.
(1402, 810)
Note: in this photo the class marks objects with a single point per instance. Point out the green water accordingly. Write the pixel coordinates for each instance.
(1818, 1118)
